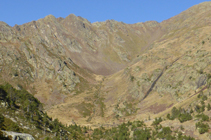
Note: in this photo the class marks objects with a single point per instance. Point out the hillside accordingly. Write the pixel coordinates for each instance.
(22, 117)
(107, 73)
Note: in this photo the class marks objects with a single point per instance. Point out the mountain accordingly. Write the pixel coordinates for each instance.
(107, 73)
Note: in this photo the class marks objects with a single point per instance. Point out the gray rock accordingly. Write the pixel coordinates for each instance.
(19, 136)
(4, 104)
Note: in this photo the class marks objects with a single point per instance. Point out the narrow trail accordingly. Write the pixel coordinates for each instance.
(198, 92)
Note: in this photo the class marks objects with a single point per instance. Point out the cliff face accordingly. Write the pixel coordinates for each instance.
(106, 70)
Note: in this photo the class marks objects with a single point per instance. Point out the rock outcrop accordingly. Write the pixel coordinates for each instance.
(18, 136)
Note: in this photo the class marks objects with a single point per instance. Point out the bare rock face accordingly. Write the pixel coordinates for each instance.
(19, 136)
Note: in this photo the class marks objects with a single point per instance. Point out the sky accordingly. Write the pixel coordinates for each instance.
(128, 11)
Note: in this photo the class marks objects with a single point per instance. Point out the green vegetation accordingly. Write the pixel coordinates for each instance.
(199, 108)
(157, 121)
(120, 132)
(101, 105)
(183, 117)
(21, 104)
(208, 107)
(202, 127)
(1, 121)
(200, 71)
(140, 132)
(132, 78)
(165, 133)
(11, 126)
(2, 127)
(180, 113)
(28, 112)
(203, 117)
(137, 124)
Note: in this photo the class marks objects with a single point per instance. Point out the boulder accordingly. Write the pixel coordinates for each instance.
(18, 136)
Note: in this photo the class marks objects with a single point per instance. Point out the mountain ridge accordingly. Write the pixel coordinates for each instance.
(109, 72)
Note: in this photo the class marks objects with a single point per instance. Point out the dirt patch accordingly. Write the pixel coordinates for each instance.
(56, 98)
(156, 108)
(190, 133)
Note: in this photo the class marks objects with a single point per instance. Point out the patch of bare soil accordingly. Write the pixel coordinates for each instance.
(157, 108)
